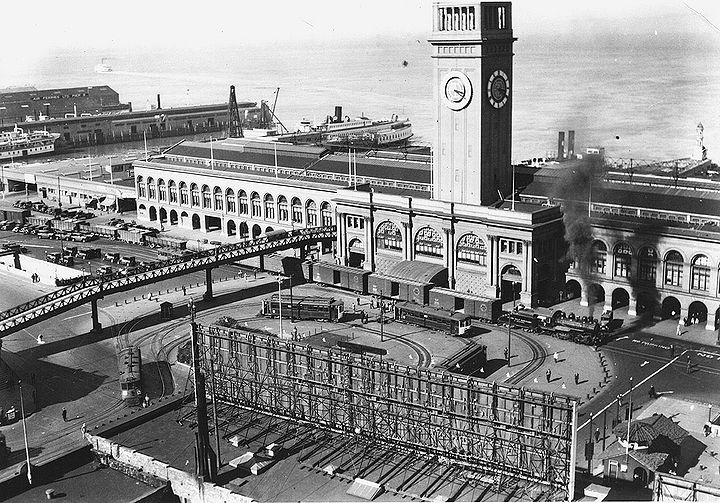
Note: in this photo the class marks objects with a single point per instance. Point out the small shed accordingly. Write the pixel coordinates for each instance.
(166, 311)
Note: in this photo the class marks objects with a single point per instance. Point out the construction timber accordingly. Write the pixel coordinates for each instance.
(488, 428)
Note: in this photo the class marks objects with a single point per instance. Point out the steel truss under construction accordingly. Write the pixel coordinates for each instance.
(477, 425)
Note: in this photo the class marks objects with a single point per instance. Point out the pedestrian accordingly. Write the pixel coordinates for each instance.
(358, 301)
(577, 378)
(506, 352)
(548, 374)
(678, 332)
(672, 350)
(555, 357)
(83, 429)
(597, 434)
(184, 291)
(64, 414)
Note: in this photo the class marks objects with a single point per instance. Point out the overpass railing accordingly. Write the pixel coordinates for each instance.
(94, 287)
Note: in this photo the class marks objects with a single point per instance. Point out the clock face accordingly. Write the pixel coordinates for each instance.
(457, 90)
(498, 89)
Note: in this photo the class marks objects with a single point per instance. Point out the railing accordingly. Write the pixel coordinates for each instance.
(95, 287)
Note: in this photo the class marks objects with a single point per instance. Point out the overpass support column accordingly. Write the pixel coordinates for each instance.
(96, 326)
(303, 252)
(262, 262)
(632, 305)
(208, 284)
(584, 294)
(16, 257)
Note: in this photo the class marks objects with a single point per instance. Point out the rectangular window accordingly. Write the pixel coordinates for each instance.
(673, 274)
(646, 271)
(598, 263)
(622, 266)
(700, 278)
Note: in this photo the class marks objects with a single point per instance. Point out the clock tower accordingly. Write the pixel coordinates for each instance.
(472, 84)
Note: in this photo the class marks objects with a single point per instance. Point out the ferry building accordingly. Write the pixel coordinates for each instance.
(449, 221)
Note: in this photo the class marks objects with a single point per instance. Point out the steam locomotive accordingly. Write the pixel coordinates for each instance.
(580, 329)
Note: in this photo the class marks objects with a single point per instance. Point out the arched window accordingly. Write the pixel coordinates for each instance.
(195, 194)
(283, 209)
(428, 242)
(311, 212)
(623, 260)
(206, 197)
(172, 189)
(647, 264)
(700, 273)
(256, 205)
(243, 202)
(230, 201)
(297, 211)
(471, 249)
(599, 257)
(141, 187)
(269, 206)
(162, 190)
(673, 268)
(243, 230)
(326, 213)
(184, 198)
(152, 190)
(389, 237)
(218, 198)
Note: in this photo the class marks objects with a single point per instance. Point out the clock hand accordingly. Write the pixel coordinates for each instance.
(459, 93)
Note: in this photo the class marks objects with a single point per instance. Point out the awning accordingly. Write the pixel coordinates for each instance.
(108, 201)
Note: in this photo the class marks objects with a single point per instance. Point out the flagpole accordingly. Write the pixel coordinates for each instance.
(276, 165)
(349, 168)
(145, 140)
(513, 187)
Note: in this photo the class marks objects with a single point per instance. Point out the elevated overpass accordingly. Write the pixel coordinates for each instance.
(93, 288)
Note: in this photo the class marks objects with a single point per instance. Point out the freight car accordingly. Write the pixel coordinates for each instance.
(435, 319)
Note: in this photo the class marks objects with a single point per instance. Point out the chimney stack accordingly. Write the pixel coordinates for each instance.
(571, 145)
(561, 146)
(338, 114)
(158, 100)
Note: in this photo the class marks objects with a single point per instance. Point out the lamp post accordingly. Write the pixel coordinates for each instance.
(279, 280)
(627, 447)
(382, 317)
(27, 449)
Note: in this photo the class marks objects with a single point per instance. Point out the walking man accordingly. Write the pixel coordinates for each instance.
(548, 374)
(184, 291)
(555, 357)
(506, 353)
(678, 332)
(597, 434)
(577, 378)
(64, 415)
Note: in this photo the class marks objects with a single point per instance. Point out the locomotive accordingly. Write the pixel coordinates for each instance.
(580, 329)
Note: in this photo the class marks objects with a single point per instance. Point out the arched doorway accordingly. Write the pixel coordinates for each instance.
(153, 214)
(256, 231)
(511, 284)
(184, 219)
(173, 217)
(640, 476)
(697, 312)
(620, 298)
(596, 294)
(647, 303)
(163, 215)
(356, 250)
(195, 221)
(231, 228)
(572, 289)
(670, 308)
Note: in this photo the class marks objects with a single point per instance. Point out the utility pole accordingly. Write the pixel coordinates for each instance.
(382, 317)
(27, 449)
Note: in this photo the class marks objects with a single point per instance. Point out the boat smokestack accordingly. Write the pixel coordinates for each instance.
(571, 145)
(338, 114)
(561, 146)
(129, 106)
(47, 110)
(158, 100)
(74, 110)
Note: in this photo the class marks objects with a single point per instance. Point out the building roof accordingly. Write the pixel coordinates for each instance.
(418, 271)
(646, 430)
(650, 460)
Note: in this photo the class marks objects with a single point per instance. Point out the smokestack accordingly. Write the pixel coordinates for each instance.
(158, 99)
(571, 145)
(561, 146)
(338, 114)
(47, 110)
(74, 110)
(129, 106)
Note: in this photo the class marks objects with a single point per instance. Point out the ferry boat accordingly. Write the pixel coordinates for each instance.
(361, 131)
(103, 67)
(17, 143)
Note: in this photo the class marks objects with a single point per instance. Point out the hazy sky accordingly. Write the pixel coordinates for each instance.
(43, 25)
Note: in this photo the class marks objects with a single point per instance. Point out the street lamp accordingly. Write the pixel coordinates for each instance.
(279, 280)
(27, 449)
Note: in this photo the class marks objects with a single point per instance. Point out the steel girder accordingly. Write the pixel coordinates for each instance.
(470, 423)
(92, 288)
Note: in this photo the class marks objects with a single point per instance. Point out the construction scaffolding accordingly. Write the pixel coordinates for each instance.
(489, 428)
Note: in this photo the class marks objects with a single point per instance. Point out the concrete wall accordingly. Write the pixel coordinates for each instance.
(183, 484)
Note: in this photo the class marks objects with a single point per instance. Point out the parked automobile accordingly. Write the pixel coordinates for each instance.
(53, 257)
(88, 253)
(127, 261)
(111, 257)
(103, 270)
